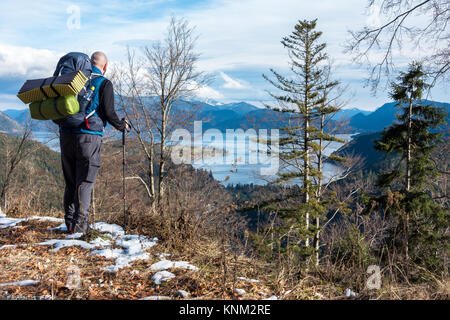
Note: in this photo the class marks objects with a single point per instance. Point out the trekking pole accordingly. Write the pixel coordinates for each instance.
(124, 164)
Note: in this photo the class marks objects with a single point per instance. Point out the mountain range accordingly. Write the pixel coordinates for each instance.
(242, 115)
(346, 114)
(385, 115)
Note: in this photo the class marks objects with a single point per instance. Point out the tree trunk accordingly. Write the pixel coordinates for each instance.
(319, 189)
(306, 174)
(408, 174)
(408, 155)
(151, 174)
(162, 164)
(161, 187)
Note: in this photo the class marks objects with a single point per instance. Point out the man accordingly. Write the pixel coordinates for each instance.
(81, 147)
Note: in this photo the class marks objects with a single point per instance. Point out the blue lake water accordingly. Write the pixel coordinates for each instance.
(246, 173)
(49, 139)
(232, 172)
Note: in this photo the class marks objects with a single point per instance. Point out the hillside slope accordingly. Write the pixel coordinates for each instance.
(23, 116)
(9, 125)
(362, 145)
(384, 116)
(37, 181)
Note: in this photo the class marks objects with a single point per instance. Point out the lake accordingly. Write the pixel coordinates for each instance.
(229, 173)
(235, 173)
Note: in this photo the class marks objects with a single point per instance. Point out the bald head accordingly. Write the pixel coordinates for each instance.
(99, 60)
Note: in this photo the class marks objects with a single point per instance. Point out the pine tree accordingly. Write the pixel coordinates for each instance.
(420, 222)
(325, 112)
(303, 98)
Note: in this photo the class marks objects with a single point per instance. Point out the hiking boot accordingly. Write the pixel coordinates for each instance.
(69, 227)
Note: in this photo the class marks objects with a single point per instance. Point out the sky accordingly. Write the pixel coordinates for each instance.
(239, 40)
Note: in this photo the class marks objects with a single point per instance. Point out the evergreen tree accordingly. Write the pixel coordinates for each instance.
(420, 223)
(325, 112)
(304, 99)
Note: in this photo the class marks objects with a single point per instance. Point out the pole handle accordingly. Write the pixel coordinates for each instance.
(124, 132)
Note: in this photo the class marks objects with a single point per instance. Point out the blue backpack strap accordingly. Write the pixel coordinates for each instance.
(95, 82)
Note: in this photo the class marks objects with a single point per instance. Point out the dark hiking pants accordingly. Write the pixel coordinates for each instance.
(80, 157)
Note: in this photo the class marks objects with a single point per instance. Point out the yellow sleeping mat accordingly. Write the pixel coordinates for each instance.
(69, 84)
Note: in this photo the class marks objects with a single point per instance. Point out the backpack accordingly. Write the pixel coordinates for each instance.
(75, 61)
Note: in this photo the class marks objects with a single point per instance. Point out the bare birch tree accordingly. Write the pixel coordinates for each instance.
(13, 157)
(153, 87)
(420, 24)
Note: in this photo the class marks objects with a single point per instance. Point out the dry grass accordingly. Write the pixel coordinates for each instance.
(29, 261)
(217, 278)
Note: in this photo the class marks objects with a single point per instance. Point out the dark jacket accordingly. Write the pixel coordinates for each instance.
(105, 112)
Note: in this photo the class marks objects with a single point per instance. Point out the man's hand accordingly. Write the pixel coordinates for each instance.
(127, 125)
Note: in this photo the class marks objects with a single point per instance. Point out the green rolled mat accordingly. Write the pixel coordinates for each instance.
(54, 108)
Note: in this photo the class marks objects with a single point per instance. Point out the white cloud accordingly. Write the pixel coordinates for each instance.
(206, 92)
(233, 34)
(26, 62)
(231, 83)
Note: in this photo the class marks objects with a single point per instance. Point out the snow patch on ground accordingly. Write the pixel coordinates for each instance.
(9, 222)
(114, 229)
(77, 235)
(108, 253)
(133, 248)
(183, 294)
(246, 279)
(100, 242)
(240, 292)
(12, 222)
(166, 264)
(130, 247)
(156, 298)
(20, 283)
(287, 293)
(350, 293)
(51, 219)
(61, 227)
(135, 244)
(8, 246)
(125, 260)
(161, 276)
(59, 244)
